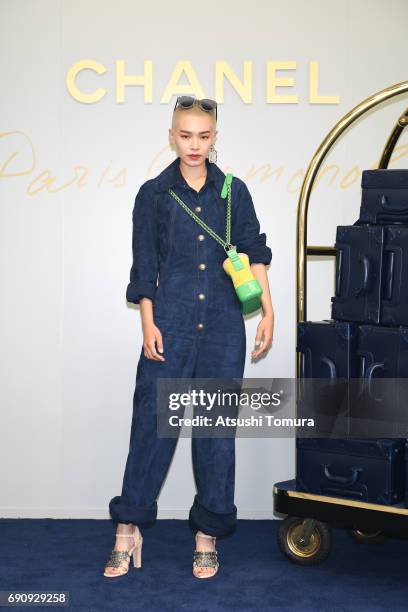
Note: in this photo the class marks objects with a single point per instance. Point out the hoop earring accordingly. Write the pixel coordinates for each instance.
(212, 157)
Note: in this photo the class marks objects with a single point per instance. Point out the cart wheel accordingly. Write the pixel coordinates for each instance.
(311, 553)
(367, 537)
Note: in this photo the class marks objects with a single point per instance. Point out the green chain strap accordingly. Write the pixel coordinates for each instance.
(226, 191)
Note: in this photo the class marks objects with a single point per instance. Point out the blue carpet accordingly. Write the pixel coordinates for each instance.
(68, 555)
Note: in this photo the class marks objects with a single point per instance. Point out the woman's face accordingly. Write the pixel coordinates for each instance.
(193, 135)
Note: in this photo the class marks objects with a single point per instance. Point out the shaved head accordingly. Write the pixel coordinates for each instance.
(195, 111)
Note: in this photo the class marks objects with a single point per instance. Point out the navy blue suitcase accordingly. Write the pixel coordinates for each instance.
(371, 283)
(366, 470)
(328, 349)
(358, 273)
(384, 198)
(383, 351)
(394, 294)
(328, 361)
(380, 408)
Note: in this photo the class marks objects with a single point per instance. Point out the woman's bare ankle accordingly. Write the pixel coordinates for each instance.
(125, 528)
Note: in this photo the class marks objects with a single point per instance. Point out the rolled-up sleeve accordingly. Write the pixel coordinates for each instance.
(247, 235)
(144, 270)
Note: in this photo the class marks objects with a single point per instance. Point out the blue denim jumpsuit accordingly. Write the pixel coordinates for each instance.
(198, 313)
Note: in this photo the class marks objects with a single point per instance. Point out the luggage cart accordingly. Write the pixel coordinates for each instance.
(304, 536)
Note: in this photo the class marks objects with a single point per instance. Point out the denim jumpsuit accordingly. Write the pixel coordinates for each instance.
(178, 265)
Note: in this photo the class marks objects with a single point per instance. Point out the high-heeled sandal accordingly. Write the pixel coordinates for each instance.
(206, 558)
(121, 558)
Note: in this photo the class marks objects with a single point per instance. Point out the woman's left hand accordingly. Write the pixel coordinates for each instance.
(264, 335)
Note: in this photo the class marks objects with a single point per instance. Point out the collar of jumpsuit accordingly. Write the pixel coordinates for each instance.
(171, 177)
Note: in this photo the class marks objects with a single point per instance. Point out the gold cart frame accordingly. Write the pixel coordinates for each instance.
(302, 248)
(304, 536)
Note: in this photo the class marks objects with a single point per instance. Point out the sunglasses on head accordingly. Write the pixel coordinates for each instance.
(206, 104)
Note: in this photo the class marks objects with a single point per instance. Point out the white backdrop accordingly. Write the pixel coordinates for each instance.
(70, 169)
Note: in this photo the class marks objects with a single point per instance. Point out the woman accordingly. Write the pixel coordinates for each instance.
(193, 327)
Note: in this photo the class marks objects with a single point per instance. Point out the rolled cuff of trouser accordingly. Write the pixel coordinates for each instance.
(212, 523)
(125, 513)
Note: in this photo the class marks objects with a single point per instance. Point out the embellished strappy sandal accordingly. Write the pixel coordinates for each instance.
(205, 558)
(121, 558)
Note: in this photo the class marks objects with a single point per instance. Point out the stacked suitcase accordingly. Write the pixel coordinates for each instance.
(366, 338)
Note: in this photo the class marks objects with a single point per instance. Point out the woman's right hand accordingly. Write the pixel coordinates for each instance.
(152, 336)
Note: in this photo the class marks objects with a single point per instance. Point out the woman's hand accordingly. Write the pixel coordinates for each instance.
(151, 333)
(264, 335)
(264, 332)
(151, 336)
